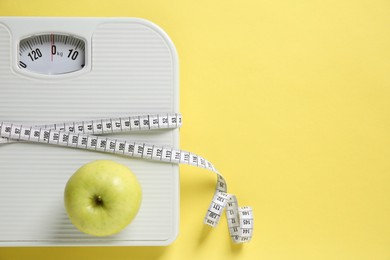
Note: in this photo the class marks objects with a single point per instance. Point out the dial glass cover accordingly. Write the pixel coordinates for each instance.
(52, 54)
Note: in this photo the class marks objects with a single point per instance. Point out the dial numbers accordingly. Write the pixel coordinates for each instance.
(52, 54)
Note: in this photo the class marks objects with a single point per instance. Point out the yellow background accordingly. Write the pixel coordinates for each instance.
(291, 101)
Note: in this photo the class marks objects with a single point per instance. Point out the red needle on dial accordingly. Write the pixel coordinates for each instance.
(52, 43)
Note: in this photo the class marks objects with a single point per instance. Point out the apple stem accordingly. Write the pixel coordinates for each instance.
(98, 200)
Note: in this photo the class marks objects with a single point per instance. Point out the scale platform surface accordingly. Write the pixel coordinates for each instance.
(131, 68)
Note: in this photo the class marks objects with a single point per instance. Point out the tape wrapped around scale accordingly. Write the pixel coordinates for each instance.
(84, 135)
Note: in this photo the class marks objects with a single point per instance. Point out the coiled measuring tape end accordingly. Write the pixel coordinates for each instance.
(240, 219)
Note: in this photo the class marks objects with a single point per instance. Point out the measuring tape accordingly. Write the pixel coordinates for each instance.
(84, 135)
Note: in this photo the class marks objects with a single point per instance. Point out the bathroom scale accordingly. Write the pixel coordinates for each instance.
(55, 70)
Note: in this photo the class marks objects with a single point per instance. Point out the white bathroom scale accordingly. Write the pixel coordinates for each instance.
(56, 70)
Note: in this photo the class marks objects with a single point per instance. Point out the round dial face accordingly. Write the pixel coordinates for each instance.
(52, 54)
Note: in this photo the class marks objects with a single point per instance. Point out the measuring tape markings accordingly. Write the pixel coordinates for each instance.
(110, 125)
(82, 135)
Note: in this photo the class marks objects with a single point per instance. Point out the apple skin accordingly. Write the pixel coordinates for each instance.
(102, 197)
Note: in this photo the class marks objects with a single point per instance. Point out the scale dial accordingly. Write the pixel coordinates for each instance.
(51, 54)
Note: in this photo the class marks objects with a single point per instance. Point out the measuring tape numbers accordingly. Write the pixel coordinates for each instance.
(85, 135)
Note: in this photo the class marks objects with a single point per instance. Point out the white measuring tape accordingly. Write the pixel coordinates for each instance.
(83, 135)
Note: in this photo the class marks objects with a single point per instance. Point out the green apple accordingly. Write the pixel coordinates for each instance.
(102, 197)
